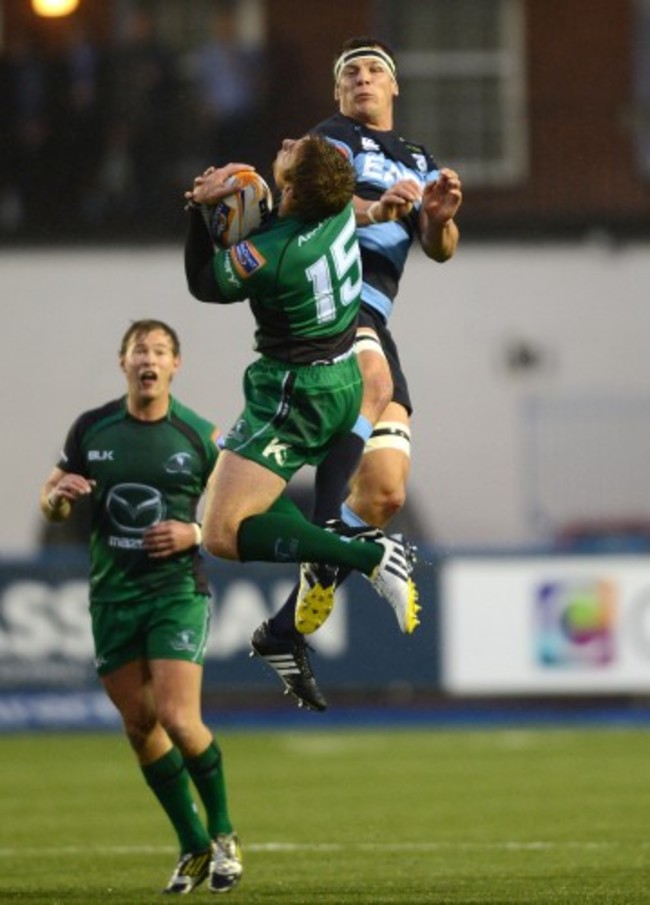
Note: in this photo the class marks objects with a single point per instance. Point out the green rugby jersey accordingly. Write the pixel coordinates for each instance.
(303, 281)
(145, 472)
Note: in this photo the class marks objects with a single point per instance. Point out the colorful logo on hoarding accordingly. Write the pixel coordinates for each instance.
(575, 623)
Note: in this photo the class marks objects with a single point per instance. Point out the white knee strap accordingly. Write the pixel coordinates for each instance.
(367, 342)
(390, 435)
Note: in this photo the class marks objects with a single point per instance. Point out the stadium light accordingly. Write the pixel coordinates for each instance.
(52, 8)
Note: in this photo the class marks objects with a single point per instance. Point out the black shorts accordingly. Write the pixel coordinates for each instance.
(369, 317)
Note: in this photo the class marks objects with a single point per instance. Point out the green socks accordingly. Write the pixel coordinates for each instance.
(285, 536)
(207, 775)
(169, 779)
(170, 782)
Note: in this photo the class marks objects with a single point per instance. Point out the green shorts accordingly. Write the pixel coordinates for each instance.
(168, 628)
(293, 414)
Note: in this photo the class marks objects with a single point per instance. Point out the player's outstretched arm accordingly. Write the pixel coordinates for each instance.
(210, 186)
(395, 203)
(440, 202)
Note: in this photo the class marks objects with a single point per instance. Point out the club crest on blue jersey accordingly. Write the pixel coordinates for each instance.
(420, 161)
(369, 144)
(246, 259)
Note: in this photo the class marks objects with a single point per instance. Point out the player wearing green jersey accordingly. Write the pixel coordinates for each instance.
(144, 460)
(401, 197)
(302, 275)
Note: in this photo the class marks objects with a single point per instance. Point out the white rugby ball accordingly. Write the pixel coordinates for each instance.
(236, 216)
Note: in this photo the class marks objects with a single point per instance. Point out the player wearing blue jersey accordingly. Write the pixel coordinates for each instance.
(400, 195)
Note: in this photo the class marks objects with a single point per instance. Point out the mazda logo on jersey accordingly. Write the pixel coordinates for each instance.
(132, 508)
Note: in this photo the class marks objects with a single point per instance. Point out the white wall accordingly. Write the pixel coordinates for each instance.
(585, 306)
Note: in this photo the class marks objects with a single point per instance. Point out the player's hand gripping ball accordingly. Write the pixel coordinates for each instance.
(234, 217)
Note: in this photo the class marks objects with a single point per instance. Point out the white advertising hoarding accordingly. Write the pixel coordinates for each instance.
(546, 625)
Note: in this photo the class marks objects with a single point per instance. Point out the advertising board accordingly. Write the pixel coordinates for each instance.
(545, 625)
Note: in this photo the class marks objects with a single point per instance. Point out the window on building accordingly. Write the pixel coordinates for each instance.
(641, 119)
(462, 81)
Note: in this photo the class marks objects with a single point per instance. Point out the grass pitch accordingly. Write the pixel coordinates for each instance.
(525, 816)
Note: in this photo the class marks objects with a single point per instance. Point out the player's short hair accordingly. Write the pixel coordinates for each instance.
(148, 325)
(322, 179)
(364, 46)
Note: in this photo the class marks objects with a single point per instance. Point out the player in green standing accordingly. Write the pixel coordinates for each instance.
(144, 460)
(302, 274)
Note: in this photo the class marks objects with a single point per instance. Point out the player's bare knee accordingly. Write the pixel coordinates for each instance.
(220, 542)
(185, 731)
(138, 732)
(213, 545)
(392, 502)
(376, 503)
(387, 504)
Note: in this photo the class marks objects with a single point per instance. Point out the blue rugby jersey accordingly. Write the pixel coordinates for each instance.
(380, 159)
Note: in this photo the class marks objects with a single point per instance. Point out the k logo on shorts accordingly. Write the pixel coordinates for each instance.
(278, 450)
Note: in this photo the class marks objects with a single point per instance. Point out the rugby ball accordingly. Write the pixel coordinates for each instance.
(234, 217)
